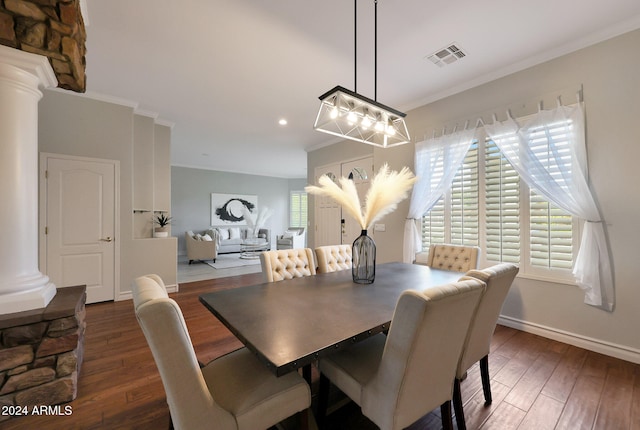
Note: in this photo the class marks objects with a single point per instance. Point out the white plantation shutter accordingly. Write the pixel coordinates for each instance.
(551, 235)
(436, 162)
(487, 206)
(502, 207)
(433, 226)
(298, 208)
(465, 201)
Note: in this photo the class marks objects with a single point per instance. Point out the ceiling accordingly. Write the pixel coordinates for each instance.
(223, 72)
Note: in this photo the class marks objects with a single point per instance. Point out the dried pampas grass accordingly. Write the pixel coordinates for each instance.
(255, 224)
(387, 189)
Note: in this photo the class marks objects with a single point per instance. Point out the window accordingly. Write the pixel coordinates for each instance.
(298, 209)
(488, 205)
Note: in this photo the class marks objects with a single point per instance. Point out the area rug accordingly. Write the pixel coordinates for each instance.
(228, 261)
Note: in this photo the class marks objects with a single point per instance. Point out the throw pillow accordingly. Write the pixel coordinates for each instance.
(207, 238)
(234, 233)
(287, 235)
(198, 236)
(224, 233)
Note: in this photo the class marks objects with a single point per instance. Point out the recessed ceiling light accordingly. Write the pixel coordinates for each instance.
(282, 121)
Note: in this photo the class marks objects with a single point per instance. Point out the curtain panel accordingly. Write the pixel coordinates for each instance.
(562, 179)
(436, 162)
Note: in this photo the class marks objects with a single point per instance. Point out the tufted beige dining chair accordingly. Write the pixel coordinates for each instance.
(398, 378)
(476, 348)
(281, 264)
(232, 392)
(332, 258)
(457, 258)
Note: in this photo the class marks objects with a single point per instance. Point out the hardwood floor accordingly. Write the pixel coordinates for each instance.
(537, 383)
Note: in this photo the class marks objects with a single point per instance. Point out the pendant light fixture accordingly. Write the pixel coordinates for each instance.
(353, 116)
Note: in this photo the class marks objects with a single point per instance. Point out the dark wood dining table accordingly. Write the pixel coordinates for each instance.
(290, 324)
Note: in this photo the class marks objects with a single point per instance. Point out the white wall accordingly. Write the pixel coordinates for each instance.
(191, 198)
(608, 73)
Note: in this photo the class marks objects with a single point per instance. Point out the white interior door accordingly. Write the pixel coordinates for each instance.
(360, 172)
(327, 211)
(80, 225)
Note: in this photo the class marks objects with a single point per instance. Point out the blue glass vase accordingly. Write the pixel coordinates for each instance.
(363, 259)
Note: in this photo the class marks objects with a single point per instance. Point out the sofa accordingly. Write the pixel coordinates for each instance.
(220, 240)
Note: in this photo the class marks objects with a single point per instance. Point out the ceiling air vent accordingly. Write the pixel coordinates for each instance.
(446, 55)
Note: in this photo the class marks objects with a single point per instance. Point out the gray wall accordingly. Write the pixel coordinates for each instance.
(191, 198)
(608, 73)
(74, 125)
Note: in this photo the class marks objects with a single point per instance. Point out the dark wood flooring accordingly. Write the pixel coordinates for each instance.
(537, 383)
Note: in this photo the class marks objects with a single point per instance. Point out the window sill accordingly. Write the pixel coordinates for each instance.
(547, 279)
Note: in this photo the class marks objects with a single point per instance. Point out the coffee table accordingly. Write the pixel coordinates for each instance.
(250, 249)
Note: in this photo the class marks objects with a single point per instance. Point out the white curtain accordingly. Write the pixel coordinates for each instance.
(562, 178)
(436, 162)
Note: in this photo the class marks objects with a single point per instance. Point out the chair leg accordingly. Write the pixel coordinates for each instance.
(304, 419)
(323, 400)
(190, 261)
(306, 373)
(457, 405)
(486, 383)
(445, 411)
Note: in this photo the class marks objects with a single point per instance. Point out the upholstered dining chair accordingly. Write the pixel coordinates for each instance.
(234, 391)
(457, 258)
(332, 258)
(281, 264)
(398, 378)
(476, 347)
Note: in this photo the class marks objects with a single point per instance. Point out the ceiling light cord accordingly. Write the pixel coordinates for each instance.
(375, 48)
(375, 51)
(355, 46)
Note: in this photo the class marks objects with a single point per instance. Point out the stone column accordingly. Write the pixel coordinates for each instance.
(22, 286)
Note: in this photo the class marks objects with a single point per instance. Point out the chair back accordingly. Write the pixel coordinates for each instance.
(498, 279)
(332, 258)
(278, 265)
(457, 258)
(421, 353)
(190, 402)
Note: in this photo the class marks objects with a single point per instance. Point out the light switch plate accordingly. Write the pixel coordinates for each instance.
(379, 227)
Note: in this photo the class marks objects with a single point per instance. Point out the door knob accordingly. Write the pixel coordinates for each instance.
(108, 239)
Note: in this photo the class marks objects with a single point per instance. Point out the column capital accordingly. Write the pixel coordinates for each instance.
(34, 64)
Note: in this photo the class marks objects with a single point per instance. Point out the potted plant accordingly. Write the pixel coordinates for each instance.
(163, 221)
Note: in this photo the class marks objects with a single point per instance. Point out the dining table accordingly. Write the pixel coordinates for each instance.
(292, 323)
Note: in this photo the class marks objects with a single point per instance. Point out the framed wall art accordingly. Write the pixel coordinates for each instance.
(226, 209)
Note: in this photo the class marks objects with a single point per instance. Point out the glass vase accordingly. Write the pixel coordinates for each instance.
(363, 259)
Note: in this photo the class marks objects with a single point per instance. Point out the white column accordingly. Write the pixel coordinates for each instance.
(22, 286)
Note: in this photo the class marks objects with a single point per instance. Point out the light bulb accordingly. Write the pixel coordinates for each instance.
(379, 126)
(352, 118)
(391, 131)
(366, 122)
(334, 113)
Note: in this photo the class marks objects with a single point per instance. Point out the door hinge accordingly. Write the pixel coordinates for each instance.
(46, 230)
(46, 174)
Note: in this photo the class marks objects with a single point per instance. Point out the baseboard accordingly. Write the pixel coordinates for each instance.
(607, 348)
(128, 295)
